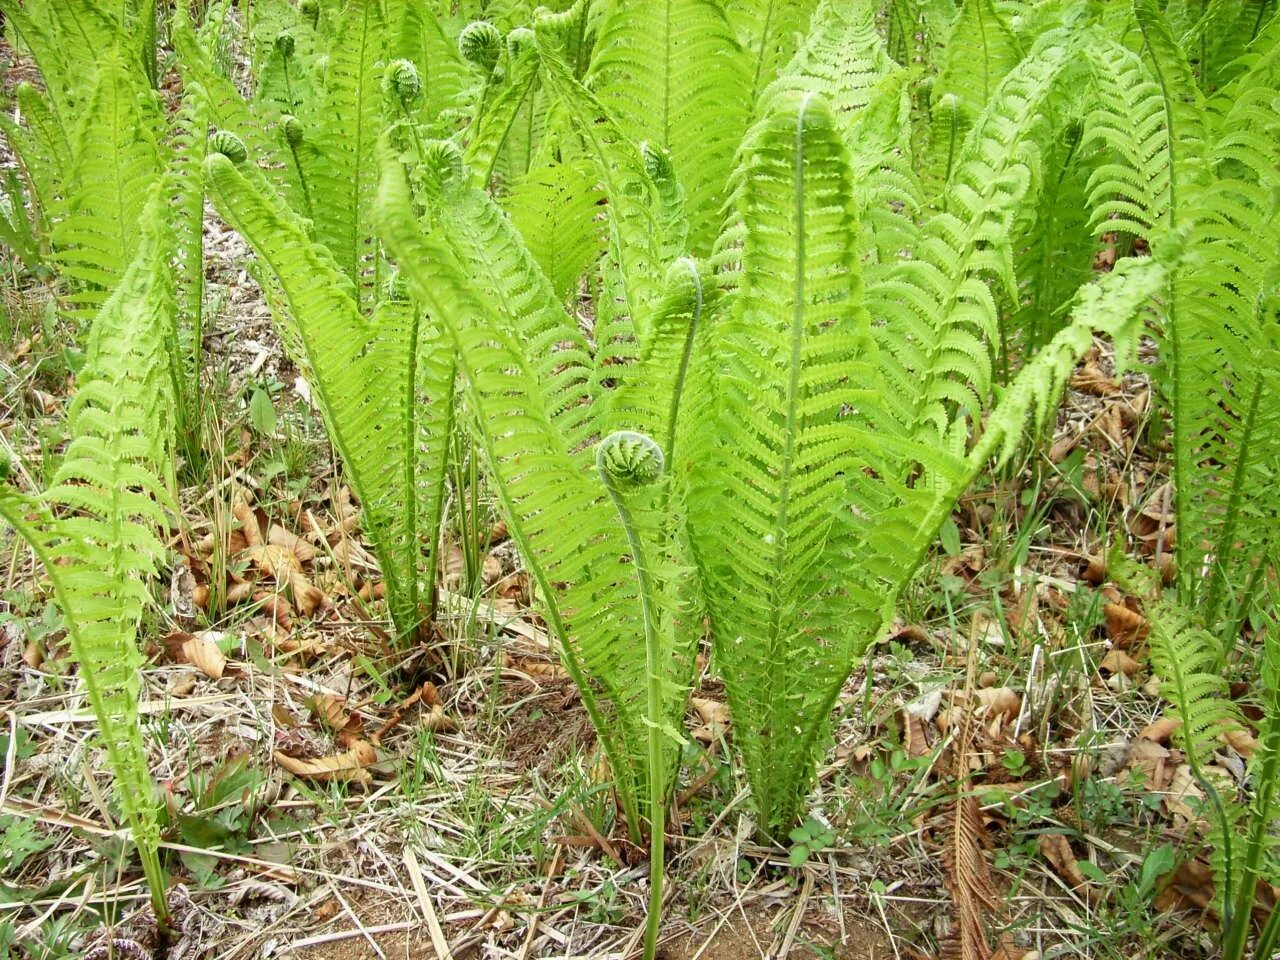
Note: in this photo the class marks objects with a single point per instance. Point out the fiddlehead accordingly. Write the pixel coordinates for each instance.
(229, 145)
(628, 462)
(480, 43)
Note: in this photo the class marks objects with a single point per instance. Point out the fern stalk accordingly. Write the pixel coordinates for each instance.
(625, 461)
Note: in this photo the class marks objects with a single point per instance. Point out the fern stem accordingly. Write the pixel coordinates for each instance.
(653, 680)
(685, 357)
(1226, 537)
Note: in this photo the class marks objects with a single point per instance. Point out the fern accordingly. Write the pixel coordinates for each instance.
(116, 160)
(533, 393)
(350, 123)
(555, 208)
(97, 529)
(672, 74)
(385, 386)
(769, 31)
(794, 352)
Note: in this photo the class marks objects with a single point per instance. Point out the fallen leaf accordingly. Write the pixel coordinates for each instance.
(914, 739)
(248, 523)
(329, 709)
(1241, 741)
(999, 701)
(1160, 730)
(300, 548)
(346, 766)
(1124, 626)
(1118, 662)
(273, 560)
(1149, 759)
(1055, 848)
(437, 720)
(714, 717)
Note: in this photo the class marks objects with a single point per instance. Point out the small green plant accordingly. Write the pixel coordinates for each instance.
(811, 837)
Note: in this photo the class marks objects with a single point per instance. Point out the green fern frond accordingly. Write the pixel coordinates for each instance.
(635, 239)
(672, 74)
(556, 209)
(979, 51)
(116, 160)
(793, 355)
(41, 146)
(769, 31)
(384, 388)
(531, 388)
(942, 320)
(351, 121)
(841, 59)
(504, 103)
(97, 529)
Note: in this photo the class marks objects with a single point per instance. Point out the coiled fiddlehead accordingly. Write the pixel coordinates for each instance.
(627, 462)
(294, 132)
(481, 43)
(402, 81)
(229, 145)
(443, 159)
(285, 45)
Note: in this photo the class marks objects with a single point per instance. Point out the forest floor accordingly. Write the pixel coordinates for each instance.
(1001, 765)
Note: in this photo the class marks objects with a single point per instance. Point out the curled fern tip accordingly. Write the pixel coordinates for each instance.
(229, 145)
(402, 80)
(627, 460)
(480, 43)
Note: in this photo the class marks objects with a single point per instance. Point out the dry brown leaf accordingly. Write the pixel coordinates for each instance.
(203, 653)
(32, 655)
(1055, 848)
(1090, 378)
(300, 548)
(1150, 759)
(535, 667)
(249, 528)
(307, 597)
(914, 738)
(1160, 730)
(240, 591)
(346, 766)
(273, 560)
(1124, 626)
(198, 649)
(435, 719)
(999, 702)
(1241, 741)
(714, 717)
(1118, 662)
(329, 709)
(1185, 796)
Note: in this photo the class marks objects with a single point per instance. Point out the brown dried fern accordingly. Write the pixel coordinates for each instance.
(967, 874)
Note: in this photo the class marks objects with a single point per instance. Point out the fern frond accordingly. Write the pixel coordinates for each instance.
(841, 59)
(97, 529)
(41, 146)
(116, 161)
(530, 388)
(350, 124)
(979, 51)
(490, 130)
(386, 402)
(769, 31)
(556, 209)
(672, 74)
(942, 322)
(795, 353)
(634, 236)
